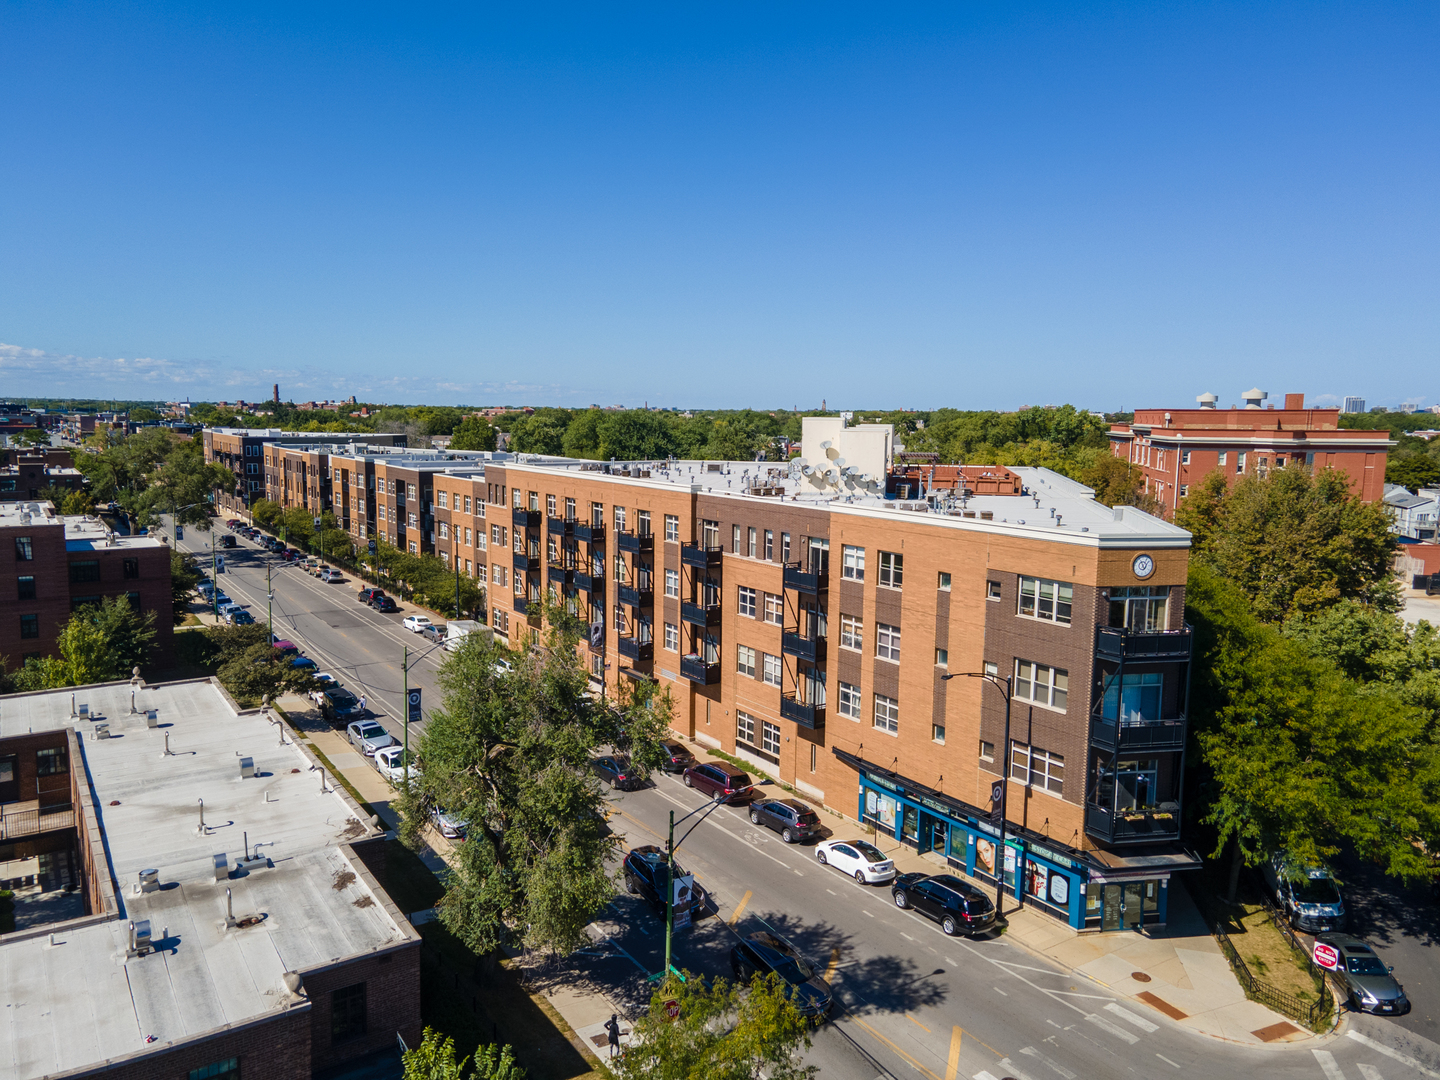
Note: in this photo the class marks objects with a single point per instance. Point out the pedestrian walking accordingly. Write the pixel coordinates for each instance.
(612, 1026)
(362, 703)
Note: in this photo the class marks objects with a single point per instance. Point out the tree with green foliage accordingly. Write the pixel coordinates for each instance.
(473, 433)
(184, 576)
(129, 634)
(33, 437)
(634, 434)
(267, 513)
(98, 643)
(257, 670)
(724, 1031)
(1414, 472)
(541, 433)
(143, 415)
(182, 484)
(582, 437)
(509, 754)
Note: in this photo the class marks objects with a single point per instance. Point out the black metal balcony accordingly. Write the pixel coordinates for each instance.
(803, 580)
(793, 643)
(1141, 735)
(560, 526)
(559, 575)
(698, 671)
(522, 605)
(590, 583)
(640, 651)
(591, 534)
(526, 519)
(1115, 643)
(634, 542)
(700, 614)
(702, 557)
(1133, 826)
(803, 713)
(525, 562)
(635, 596)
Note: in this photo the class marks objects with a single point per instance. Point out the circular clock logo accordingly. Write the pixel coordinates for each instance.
(1143, 566)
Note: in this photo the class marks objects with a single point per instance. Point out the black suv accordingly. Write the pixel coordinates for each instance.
(674, 757)
(958, 906)
(791, 818)
(647, 874)
(340, 706)
(763, 952)
(618, 771)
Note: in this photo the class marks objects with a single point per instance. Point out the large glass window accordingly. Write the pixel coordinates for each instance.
(1134, 698)
(852, 632)
(347, 1008)
(745, 660)
(892, 569)
(1047, 600)
(1042, 684)
(887, 714)
(1036, 767)
(26, 586)
(849, 700)
(229, 1069)
(1141, 608)
(887, 641)
(772, 669)
(85, 570)
(854, 563)
(744, 727)
(50, 762)
(747, 601)
(769, 737)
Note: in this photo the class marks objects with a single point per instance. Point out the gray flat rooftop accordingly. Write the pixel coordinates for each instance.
(81, 1001)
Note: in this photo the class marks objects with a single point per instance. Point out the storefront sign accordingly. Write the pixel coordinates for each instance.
(1060, 890)
(872, 803)
(886, 784)
(1046, 853)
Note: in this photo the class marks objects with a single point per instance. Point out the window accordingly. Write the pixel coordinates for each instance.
(944, 582)
(414, 548)
(987, 751)
(29, 626)
(619, 519)
(444, 500)
(992, 590)
(937, 733)
(51, 762)
(85, 570)
(382, 512)
(515, 503)
(672, 582)
(411, 520)
(229, 1069)
(1037, 768)
(1135, 698)
(469, 537)
(744, 727)
(892, 569)
(942, 657)
(597, 514)
(772, 669)
(619, 567)
(130, 568)
(1184, 490)
(410, 490)
(852, 632)
(774, 609)
(849, 700)
(444, 531)
(672, 637)
(467, 504)
(1224, 456)
(769, 545)
(24, 550)
(1240, 462)
(642, 522)
(1043, 685)
(745, 660)
(1049, 601)
(747, 602)
(853, 563)
(769, 737)
(887, 714)
(26, 587)
(887, 641)
(1141, 608)
(347, 1012)
(1184, 457)
(672, 528)
(784, 547)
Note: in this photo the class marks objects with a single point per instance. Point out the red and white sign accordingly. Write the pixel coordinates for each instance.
(672, 1009)
(1326, 956)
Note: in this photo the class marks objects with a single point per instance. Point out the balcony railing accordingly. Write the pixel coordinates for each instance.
(635, 596)
(34, 821)
(1133, 826)
(560, 526)
(641, 652)
(526, 562)
(560, 575)
(634, 542)
(793, 643)
(590, 583)
(1116, 643)
(703, 557)
(698, 671)
(800, 579)
(526, 519)
(700, 614)
(522, 605)
(591, 534)
(1141, 735)
(801, 712)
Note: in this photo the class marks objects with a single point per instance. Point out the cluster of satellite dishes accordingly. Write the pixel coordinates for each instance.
(833, 475)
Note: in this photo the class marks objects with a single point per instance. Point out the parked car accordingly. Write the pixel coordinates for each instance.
(330, 576)
(390, 762)
(286, 646)
(864, 862)
(1311, 900)
(647, 875)
(433, 633)
(338, 705)
(368, 736)
(369, 595)
(416, 623)
(675, 757)
(384, 604)
(227, 541)
(1370, 983)
(220, 600)
(618, 771)
(763, 952)
(325, 681)
(503, 667)
(303, 663)
(791, 818)
(958, 906)
(206, 590)
(450, 826)
(240, 617)
(719, 780)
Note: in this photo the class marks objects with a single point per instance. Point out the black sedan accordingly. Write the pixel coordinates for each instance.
(383, 603)
(763, 952)
(647, 873)
(618, 771)
(1371, 985)
(674, 757)
(958, 906)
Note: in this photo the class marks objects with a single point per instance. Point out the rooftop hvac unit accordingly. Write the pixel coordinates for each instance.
(247, 767)
(83, 712)
(149, 881)
(222, 866)
(140, 937)
(152, 717)
(102, 731)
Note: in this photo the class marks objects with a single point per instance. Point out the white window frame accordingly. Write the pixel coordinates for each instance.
(1039, 769)
(852, 632)
(892, 570)
(770, 738)
(887, 715)
(848, 700)
(744, 727)
(672, 637)
(772, 668)
(1044, 594)
(745, 660)
(672, 528)
(1040, 684)
(774, 606)
(853, 563)
(672, 582)
(887, 642)
(746, 601)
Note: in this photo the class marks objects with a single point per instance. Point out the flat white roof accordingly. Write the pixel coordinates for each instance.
(80, 1001)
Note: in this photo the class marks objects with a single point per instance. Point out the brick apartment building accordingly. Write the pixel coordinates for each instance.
(177, 951)
(24, 473)
(1178, 448)
(54, 565)
(242, 451)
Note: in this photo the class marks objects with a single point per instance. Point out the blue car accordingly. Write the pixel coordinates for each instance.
(303, 663)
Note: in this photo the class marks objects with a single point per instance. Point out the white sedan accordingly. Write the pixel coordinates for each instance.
(864, 862)
(417, 623)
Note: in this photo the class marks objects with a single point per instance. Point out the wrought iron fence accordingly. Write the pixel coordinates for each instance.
(31, 822)
(1308, 1013)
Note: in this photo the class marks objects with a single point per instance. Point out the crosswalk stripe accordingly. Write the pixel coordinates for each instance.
(983, 1075)
(1369, 1072)
(1009, 1068)
(1055, 1065)
(1113, 1029)
(1328, 1065)
(1404, 1059)
(1130, 1017)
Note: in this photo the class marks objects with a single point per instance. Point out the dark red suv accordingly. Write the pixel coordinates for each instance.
(719, 780)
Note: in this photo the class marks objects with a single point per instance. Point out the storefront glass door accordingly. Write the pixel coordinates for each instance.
(1132, 906)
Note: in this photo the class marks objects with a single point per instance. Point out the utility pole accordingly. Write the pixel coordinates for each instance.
(269, 601)
(405, 704)
(669, 891)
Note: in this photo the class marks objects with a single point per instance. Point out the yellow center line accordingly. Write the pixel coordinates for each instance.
(739, 908)
(917, 1023)
(953, 1067)
(907, 1058)
(834, 963)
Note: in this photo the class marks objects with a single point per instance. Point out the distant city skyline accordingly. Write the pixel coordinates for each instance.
(1114, 205)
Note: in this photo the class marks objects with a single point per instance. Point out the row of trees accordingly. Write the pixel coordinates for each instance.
(152, 472)
(98, 643)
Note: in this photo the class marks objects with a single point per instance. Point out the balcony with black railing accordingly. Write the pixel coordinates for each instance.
(635, 596)
(634, 542)
(1150, 825)
(523, 562)
(700, 614)
(587, 582)
(526, 519)
(559, 574)
(642, 652)
(1118, 643)
(801, 712)
(794, 643)
(700, 671)
(801, 578)
(589, 532)
(560, 526)
(704, 558)
(1124, 735)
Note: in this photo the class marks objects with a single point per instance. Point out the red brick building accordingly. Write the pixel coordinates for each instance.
(1179, 447)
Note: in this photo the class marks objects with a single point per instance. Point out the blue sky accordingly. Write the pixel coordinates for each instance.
(975, 205)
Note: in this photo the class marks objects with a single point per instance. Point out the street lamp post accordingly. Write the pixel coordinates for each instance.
(1003, 685)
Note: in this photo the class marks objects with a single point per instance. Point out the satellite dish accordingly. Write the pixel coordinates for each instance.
(807, 470)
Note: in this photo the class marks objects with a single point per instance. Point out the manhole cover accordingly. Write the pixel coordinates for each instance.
(1139, 976)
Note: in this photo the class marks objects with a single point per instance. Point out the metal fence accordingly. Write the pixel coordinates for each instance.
(1311, 1014)
(31, 822)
